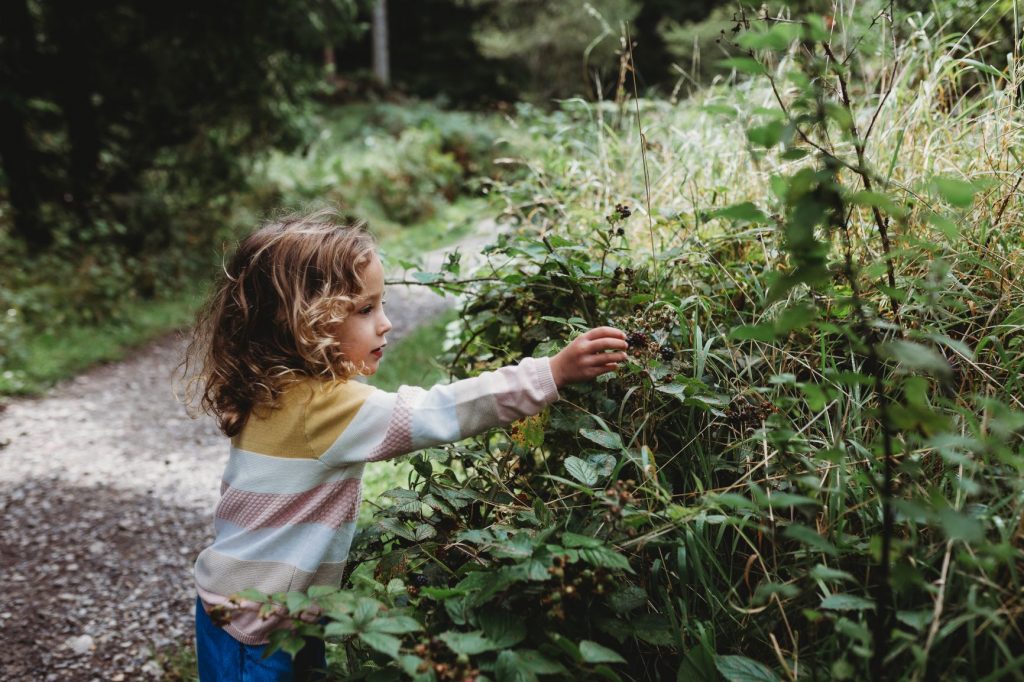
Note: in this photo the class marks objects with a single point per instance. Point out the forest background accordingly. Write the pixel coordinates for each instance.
(807, 216)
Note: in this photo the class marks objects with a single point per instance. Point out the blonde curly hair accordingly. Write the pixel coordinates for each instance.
(272, 317)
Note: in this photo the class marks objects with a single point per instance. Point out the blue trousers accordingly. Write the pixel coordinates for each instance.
(222, 658)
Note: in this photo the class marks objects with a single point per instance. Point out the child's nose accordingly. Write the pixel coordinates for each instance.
(385, 325)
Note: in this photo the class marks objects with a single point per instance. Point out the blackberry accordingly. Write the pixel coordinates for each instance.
(668, 354)
(637, 340)
(420, 580)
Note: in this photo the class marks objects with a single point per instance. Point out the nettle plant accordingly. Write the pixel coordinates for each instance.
(809, 468)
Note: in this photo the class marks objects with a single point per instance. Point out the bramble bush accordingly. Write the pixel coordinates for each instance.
(811, 465)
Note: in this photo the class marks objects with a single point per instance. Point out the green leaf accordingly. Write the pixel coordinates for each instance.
(744, 65)
(957, 192)
(592, 652)
(394, 625)
(581, 470)
(501, 627)
(382, 642)
(959, 526)
(753, 332)
(743, 669)
(317, 591)
(915, 357)
(250, 595)
(570, 539)
(287, 640)
(745, 212)
(822, 572)
(425, 531)
(767, 136)
(778, 37)
(469, 643)
(876, 200)
(523, 665)
(846, 602)
(605, 439)
(605, 558)
(627, 598)
(809, 537)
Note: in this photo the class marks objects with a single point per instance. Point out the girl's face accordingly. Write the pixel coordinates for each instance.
(362, 333)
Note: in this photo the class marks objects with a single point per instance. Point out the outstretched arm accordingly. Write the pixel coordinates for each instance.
(392, 424)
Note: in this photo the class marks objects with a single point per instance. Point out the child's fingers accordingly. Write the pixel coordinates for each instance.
(603, 344)
(600, 332)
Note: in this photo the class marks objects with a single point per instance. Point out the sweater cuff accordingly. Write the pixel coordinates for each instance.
(545, 379)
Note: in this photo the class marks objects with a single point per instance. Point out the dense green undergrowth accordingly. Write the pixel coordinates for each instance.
(811, 467)
(408, 170)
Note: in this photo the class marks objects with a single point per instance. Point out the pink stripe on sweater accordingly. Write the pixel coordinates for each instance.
(330, 504)
(398, 437)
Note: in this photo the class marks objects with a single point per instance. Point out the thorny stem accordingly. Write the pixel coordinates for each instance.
(881, 222)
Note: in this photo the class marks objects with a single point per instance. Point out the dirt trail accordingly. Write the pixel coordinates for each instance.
(107, 490)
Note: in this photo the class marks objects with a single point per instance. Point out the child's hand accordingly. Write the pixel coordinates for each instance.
(588, 357)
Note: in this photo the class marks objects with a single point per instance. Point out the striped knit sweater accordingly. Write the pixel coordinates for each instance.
(291, 491)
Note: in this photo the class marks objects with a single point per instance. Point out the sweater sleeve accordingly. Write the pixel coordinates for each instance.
(392, 424)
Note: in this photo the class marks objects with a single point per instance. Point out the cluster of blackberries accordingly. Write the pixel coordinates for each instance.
(642, 343)
(743, 412)
(437, 657)
(416, 581)
(637, 340)
(621, 213)
(618, 496)
(574, 583)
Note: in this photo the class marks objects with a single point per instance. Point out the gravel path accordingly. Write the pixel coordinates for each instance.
(107, 491)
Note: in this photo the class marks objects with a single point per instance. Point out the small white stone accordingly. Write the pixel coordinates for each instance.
(82, 644)
(153, 669)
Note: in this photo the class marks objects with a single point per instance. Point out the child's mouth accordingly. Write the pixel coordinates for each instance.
(378, 352)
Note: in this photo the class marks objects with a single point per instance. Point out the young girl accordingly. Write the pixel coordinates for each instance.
(298, 315)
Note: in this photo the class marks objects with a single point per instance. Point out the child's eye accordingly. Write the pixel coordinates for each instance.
(366, 310)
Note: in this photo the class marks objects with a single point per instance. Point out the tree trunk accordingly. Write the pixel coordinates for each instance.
(72, 32)
(381, 61)
(20, 161)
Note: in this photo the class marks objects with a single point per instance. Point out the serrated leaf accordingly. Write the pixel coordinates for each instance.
(809, 537)
(605, 558)
(515, 662)
(425, 531)
(957, 192)
(846, 602)
(592, 652)
(603, 464)
(250, 595)
(743, 669)
(743, 65)
(394, 625)
(627, 598)
(605, 439)
(382, 642)
(469, 643)
(822, 572)
(915, 357)
(753, 332)
(581, 470)
(570, 539)
(959, 526)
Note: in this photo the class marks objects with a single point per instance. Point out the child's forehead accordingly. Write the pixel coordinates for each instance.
(372, 278)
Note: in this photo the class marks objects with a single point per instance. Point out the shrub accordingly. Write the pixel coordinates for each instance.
(811, 464)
